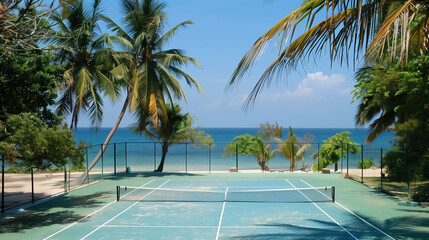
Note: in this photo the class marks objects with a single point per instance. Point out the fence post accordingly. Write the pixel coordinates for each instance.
(69, 176)
(342, 156)
(381, 169)
(263, 157)
(87, 167)
(361, 165)
(65, 178)
(408, 175)
(291, 155)
(102, 161)
(210, 157)
(126, 158)
(347, 176)
(154, 156)
(114, 158)
(318, 156)
(32, 185)
(186, 157)
(2, 185)
(236, 156)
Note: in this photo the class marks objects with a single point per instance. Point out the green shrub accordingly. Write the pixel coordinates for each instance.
(367, 163)
(421, 195)
(396, 165)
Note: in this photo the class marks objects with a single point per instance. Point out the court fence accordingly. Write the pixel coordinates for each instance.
(365, 164)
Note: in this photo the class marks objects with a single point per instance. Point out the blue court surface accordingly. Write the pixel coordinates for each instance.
(239, 219)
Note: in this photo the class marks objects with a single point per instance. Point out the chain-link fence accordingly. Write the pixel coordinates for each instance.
(386, 170)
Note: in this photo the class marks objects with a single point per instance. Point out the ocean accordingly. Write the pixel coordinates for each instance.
(142, 154)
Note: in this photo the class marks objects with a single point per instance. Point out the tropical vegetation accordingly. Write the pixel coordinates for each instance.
(28, 142)
(150, 73)
(335, 148)
(171, 128)
(377, 29)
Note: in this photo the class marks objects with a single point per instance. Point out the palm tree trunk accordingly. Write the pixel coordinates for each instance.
(106, 142)
(303, 163)
(164, 153)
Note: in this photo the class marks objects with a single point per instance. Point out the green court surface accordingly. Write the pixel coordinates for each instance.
(92, 212)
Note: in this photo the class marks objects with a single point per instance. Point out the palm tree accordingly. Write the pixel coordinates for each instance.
(149, 71)
(289, 148)
(79, 45)
(314, 155)
(305, 145)
(382, 29)
(170, 129)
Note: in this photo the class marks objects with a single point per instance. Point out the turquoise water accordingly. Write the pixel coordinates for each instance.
(142, 154)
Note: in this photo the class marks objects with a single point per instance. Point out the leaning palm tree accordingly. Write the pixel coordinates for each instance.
(150, 72)
(81, 48)
(169, 129)
(289, 148)
(380, 29)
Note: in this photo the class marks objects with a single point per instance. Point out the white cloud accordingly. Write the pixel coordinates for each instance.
(315, 85)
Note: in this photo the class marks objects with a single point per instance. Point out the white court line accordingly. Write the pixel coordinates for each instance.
(89, 215)
(323, 211)
(354, 214)
(221, 215)
(208, 227)
(117, 215)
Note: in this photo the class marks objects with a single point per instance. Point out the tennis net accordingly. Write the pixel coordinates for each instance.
(295, 195)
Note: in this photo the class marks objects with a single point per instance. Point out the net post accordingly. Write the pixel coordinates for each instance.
(186, 157)
(333, 194)
(118, 191)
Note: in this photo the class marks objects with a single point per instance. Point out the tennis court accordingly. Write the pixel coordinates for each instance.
(202, 209)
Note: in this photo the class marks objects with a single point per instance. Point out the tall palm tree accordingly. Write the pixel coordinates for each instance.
(170, 129)
(151, 72)
(381, 29)
(80, 46)
(289, 148)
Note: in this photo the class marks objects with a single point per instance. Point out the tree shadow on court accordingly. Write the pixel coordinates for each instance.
(28, 220)
(61, 210)
(327, 230)
(408, 227)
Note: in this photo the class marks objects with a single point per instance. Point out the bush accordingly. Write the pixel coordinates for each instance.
(367, 163)
(396, 165)
(421, 194)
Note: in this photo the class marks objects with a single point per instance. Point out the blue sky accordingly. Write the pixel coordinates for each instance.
(223, 31)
